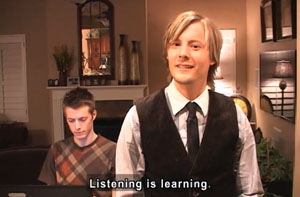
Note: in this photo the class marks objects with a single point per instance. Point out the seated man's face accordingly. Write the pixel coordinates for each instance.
(80, 121)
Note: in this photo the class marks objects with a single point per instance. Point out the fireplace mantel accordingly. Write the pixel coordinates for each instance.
(120, 92)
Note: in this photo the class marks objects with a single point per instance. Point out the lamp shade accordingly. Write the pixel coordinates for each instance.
(283, 69)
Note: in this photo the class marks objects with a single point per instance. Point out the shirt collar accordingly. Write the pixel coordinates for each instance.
(178, 101)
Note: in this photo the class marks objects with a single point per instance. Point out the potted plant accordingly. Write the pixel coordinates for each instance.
(275, 170)
(63, 57)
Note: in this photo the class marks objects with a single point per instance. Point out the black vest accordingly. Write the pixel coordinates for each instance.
(167, 159)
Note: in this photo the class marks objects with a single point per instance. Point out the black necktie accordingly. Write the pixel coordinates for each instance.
(192, 131)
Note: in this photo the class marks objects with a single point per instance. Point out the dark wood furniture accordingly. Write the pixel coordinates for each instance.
(13, 135)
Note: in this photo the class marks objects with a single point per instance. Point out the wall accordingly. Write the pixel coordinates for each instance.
(21, 17)
(130, 19)
(226, 14)
(61, 24)
(269, 124)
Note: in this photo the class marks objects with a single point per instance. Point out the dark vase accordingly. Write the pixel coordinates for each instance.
(123, 65)
(62, 80)
(134, 65)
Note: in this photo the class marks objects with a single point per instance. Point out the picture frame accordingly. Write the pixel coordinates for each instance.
(286, 19)
(268, 20)
(278, 87)
(73, 81)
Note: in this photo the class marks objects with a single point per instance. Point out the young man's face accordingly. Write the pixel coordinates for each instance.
(80, 121)
(188, 57)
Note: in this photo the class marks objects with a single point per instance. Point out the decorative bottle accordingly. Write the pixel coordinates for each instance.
(134, 65)
(122, 66)
(62, 80)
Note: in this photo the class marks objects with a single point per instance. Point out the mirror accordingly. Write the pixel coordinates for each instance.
(96, 40)
(278, 83)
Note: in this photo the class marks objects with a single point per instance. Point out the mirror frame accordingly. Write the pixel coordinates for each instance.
(268, 17)
(111, 42)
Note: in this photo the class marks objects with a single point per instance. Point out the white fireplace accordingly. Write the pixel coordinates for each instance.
(101, 93)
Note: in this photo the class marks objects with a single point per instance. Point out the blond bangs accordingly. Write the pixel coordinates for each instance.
(178, 25)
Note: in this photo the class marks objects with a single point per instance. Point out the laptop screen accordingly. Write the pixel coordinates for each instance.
(44, 191)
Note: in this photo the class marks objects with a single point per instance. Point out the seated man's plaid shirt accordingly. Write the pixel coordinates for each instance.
(69, 164)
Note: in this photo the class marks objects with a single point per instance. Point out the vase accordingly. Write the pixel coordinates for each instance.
(123, 65)
(134, 65)
(62, 80)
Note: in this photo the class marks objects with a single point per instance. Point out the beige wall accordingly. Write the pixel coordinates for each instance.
(130, 19)
(61, 27)
(226, 14)
(268, 123)
(28, 17)
(296, 187)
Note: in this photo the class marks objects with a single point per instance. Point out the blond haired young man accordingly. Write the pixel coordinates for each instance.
(186, 133)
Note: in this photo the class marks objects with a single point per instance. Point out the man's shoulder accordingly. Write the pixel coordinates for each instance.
(62, 143)
(211, 92)
(104, 142)
(149, 99)
(219, 96)
(106, 146)
(59, 147)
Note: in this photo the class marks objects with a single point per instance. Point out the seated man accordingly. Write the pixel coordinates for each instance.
(84, 155)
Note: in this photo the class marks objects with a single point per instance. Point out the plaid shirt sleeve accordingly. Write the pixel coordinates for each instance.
(48, 172)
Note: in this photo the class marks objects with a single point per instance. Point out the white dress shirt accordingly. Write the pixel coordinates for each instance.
(130, 159)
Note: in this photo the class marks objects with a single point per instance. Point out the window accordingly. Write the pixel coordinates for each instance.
(13, 83)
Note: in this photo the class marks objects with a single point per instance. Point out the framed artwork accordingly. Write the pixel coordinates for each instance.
(268, 22)
(278, 83)
(286, 19)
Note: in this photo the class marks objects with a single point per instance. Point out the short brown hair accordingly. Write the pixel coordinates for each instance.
(79, 97)
(212, 37)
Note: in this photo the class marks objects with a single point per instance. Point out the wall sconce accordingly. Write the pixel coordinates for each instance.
(283, 69)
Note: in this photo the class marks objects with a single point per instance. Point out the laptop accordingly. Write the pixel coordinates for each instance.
(44, 191)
